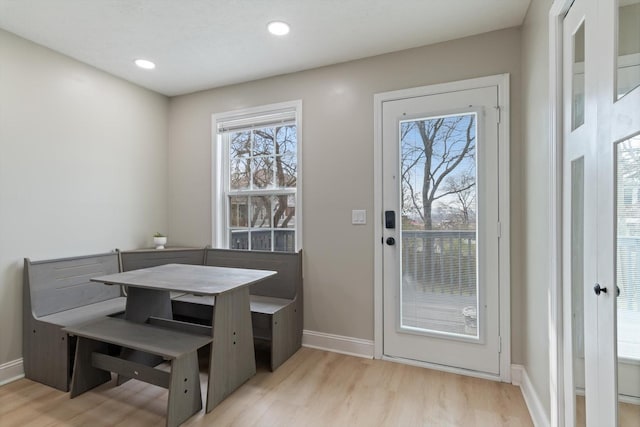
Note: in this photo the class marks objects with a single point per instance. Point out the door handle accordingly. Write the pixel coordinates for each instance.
(391, 241)
(597, 289)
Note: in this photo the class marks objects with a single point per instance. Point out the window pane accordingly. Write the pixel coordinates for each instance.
(628, 47)
(238, 239)
(260, 212)
(284, 211)
(285, 240)
(262, 172)
(239, 173)
(238, 211)
(240, 145)
(263, 143)
(286, 171)
(286, 140)
(261, 240)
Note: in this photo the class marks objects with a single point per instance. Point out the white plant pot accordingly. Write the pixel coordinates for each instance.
(159, 242)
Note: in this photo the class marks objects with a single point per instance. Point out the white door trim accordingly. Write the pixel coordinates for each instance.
(502, 81)
(556, 368)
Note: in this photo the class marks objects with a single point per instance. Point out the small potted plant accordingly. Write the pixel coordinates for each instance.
(159, 240)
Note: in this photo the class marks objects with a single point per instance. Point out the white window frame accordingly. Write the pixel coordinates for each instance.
(220, 171)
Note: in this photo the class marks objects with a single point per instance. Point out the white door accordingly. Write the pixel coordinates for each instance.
(618, 151)
(579, 208)
(602, 212)
(441, 229)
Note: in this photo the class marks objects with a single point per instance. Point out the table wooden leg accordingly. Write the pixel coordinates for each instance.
(141, 304)
(232, 360)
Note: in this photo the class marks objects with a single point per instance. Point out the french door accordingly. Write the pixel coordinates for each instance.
(601, 212)
(441, 227)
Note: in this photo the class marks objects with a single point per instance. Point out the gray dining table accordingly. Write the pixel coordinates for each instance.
(232, 359)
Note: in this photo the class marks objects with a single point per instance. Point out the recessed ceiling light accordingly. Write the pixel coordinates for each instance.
(278, 28)
(143, 63)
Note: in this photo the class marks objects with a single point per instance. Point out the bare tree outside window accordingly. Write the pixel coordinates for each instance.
(263, 161)
(439, 193)
(438, 164)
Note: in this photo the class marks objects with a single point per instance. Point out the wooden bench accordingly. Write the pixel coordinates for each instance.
(276, 303)
(57, 293)
(93, 363)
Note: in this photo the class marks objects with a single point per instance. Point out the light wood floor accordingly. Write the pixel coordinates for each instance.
(313, 388)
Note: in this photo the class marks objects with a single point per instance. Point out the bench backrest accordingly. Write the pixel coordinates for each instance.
(62, 284)
(135, 260)
(286, 284)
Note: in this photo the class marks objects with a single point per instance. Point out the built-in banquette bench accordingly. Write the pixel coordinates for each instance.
(57, 294)
(276, 303)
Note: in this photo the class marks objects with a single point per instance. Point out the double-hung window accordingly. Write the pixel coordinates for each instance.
(257, 181)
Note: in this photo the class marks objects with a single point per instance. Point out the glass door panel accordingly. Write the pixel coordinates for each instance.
(577, 288)
(577, 84)
(439, 293)
(628, 57)
(628, 279)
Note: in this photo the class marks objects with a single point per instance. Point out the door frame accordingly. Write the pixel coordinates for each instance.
(502, 82)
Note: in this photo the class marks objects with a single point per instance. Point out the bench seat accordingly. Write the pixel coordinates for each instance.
(258, 303)
(78, 315)
(93, 363)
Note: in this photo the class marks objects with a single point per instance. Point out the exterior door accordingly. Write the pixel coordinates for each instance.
(601, 223)
(441, 229)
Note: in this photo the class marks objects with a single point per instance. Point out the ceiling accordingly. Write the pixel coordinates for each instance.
(202, 44)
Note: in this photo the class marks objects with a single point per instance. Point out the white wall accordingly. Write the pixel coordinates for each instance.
(338, 165)
(535, 206)
(83, 167)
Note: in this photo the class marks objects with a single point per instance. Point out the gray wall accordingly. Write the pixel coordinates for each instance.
(83, 167)
(338, 166)
(534, 199)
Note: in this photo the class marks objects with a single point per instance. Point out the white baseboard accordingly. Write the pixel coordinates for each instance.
(520, 378)
(11, 371)
(338, 344)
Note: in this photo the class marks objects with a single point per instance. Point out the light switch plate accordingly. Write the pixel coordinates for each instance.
(358, 216)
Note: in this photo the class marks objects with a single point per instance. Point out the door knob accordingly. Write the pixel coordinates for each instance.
(391, 241)
(597, 289)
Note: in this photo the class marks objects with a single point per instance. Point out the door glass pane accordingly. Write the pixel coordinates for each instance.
(438, 228)
(628, 77)
(577, 286)
(577, 86)
(628, 279)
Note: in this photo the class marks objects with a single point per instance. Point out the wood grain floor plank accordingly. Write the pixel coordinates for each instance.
(313, 388)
